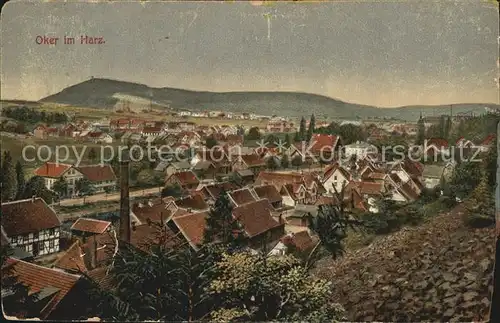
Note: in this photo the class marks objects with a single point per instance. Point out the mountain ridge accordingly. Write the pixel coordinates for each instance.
(103, 92)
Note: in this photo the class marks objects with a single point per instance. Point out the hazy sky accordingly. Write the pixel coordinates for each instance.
(377, 53)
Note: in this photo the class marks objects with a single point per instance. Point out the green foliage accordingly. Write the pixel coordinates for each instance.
(260, 288)
(310, 130)
(288, 141)
(220, 225)
(9, 178)
(420, 131)
(302, 129)
(331, 225)
(490, 164)
(210, 142)
(84, 187)
(21, 181)
(297, 161)
(172, 190)
(466, 176)
(351, 133)
(285, 162)
(148, 178)
(92, 154)
(60, 186)
(480, 206)
(36, 187)
(253, 134)
(32, 115)
(296, 137)
(385, 221)
(272, 163)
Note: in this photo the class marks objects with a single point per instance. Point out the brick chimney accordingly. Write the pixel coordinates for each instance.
(124, 159)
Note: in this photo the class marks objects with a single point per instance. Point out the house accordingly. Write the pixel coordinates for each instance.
(32, 225)
(191, 226)
(464, 143)
(359, 149)
(334, 177)
(241, 196)
(89, 226)
(252, 162)
(371, 192)
(151, 131)
(301, 243)
(59, 295)
(487, 143)
(211, 192)
(293, 194)
(270, 193)
(216, 156)
(246, 176)
(101, 176)
(257, 223)
(187, 180)
(434, 147)
(98, 137)
(434, 174)
(174, 167)
(299, 216)
(399, 190)
(40, 132)
(194, 202)
(205, 170)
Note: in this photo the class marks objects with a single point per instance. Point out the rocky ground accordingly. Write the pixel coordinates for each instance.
(438, 271)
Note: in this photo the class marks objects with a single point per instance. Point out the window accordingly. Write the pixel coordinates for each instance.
(51, 243)
(51, 232)
(29, 247)
(25, 239)
(13, 240)
(335, 177)
(35, 235)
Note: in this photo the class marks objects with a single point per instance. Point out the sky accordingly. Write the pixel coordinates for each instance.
(377, 53)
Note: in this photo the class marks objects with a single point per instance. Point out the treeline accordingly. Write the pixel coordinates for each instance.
(33, 116)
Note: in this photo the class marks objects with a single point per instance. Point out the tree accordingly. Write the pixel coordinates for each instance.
(210, 142)
(84, 187)
(261, 288)
(272, 140)
(21, 181)
(172, 190)
(220, 225)
(297, 138)
(481, 206)
(35, 187)
(297, 161)
(253, 133)
(466, 176)
(272, 163)
(9, 178)
(285, 162)
(60, 187)
(442, 126)
(420, 131)
(302, 129)
(310, 130)
(447, 128)
(146, 178)
(288, 141)
(108, 190)
(490, 164)
(92, 155)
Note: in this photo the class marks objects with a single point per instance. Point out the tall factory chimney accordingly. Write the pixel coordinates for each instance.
(124, 159)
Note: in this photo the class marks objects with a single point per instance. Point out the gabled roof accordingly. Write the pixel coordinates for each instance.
(38, 278)
(192, 227)
(90, 225)
(333, 168)
(255, 217)
(371, 188)
(52, 169)
(28, 216)
(301, 240)
(241, 196)
(437, 142)
(268, 192)
(214, 190)
(252, 160)
(186, 177)
(322, 142)
(97, 173)
(195, 202)
(488, 140)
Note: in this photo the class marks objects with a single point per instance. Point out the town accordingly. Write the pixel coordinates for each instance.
(268, 184)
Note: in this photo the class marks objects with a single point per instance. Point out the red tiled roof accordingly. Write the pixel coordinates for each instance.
(214, 190)
(488, 140)
(36, 278)
(95, 134)
(242, 196)
(301, 240)
(194, 202)
(52, 169)
(331, 169)
(268, 191)
(192, 227)
(151, 129)
(97, 173)
(72, 260)
(90, 225)
(186, 177)
(322, 142)
(371, 188)
(28, 216)
(252, 160)
(437, 142)
(255, 217)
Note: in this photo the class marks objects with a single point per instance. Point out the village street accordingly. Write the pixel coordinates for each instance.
(109, 197)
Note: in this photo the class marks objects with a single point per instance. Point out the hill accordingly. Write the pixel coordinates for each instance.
(438, 271)
(107, 93)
